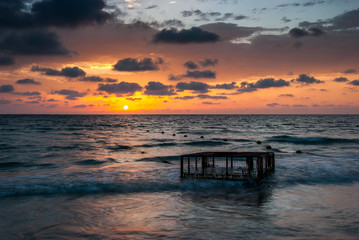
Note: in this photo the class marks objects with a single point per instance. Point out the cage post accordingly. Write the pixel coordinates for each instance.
(189, 165)
(196, 165)
(182, 173)
(259, 168)
(226, 167)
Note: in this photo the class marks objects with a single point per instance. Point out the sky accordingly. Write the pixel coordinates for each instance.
(179, 57)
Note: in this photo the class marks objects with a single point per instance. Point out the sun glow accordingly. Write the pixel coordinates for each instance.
(125, 107)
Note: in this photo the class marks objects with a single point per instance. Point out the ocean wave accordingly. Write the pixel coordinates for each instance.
(118, 147)
(164, 159)
(165, 144)
(14, 165)
(311, 140)
(90, 162)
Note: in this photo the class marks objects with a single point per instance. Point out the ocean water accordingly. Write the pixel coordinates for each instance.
(118, 177)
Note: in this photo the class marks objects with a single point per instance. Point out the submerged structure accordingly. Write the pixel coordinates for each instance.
(228, 165)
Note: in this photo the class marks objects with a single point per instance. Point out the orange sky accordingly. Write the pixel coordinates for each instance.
(232, 67)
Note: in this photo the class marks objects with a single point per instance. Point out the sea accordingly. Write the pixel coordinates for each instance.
(118, 177)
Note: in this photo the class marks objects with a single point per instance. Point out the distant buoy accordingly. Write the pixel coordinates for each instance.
(259, 142)
(173, 134)
(185, 136)
(268, 147)
(143, 152)
(298, 151)
(162, 132)
(202, 137)
(148, 131)
(225, 140)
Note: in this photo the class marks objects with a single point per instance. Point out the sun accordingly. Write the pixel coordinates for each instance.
(125, 107)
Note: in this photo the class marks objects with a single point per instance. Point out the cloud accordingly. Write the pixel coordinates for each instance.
(341, 79)
(226, 86)
(120, 88)
(80, 106)
(6, 88)
(314, 31)
(193, 86)
(208, 62)
(70, 94)
(210, 103)
(304, 78)
(273, 104)
(60, 13)
(200, 74)
(28, 81)
(158, 89)
(34, 42)
(354, 82)
(262, 83)
(97, 79)
(184, 97)
(286, 95)
(299, 105)
(205, 96)
(70, 72)
(346, 20)
(172, 77)
(285, 20)
(4, 101)
(151, 7)
(350, 70)
(185, 36)
(136, 65)
(190, 65)
(27, 93)
(6, 61)
(70, 13)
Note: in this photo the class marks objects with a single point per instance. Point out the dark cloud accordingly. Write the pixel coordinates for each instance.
(158, 89)
(33, 102)
(226, 86)
(350, 70)
(299, 105)
(312, 3)
(4, 101)
(27, 94)
(32, 43)
(6, 88)
(80, 106)
(341, 79)
(70, 94)
(289, 5)
(70, 13)
(152, 6)
(262, 83)
(354, 82)
(306, 79)
(187, 13)
(313, 31)
(184, 97)
(193, 86)
(273, 104)
(61, 13)
(184, 36)
(136, 65)
(28, 81)
(97, 79)
(240, 17)
(200, 74)
(208, 62)
(205, 96)
(210, 103)
(70, 72)
(285, 20)
(172, 77)
(346, 20)
(190, 65)
(120, 88)
(5, 61)
(286, 95)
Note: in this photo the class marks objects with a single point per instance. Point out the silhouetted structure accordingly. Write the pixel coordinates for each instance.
(228, 165)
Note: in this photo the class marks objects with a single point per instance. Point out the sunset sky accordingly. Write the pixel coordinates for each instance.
(179, 57)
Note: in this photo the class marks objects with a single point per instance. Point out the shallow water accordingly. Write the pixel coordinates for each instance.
(117, 177)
